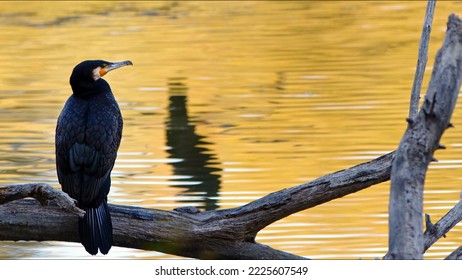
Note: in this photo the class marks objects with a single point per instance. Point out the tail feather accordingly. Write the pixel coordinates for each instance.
(95, 229)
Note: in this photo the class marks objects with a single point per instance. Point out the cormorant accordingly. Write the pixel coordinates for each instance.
(88, 135)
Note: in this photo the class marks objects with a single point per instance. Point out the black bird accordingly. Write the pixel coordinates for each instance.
(88, 135)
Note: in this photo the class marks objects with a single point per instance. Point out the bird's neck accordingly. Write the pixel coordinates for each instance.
(87, 90)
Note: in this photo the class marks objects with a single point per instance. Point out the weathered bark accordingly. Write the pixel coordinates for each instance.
(421, 59)
(44, 193)
(417, 146)
(456, 255)
(434, 232)
(219, 234)
(164, 231)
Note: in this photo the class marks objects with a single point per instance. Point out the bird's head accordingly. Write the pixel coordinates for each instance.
(86, 77)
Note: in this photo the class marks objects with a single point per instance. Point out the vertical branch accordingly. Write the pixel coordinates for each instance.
(422, 58)
(417, 146)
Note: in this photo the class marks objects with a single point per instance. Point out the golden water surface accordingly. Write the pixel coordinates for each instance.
(227, 102)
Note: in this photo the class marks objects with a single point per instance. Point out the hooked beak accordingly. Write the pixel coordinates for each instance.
(112, 66)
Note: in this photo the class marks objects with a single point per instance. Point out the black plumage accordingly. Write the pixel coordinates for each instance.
(88, 135)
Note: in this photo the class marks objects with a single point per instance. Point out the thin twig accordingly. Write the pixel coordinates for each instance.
(422, 59)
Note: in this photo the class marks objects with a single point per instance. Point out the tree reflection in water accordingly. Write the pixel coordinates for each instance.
(201, 179)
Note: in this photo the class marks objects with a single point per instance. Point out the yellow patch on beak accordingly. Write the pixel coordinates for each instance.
(102, 71)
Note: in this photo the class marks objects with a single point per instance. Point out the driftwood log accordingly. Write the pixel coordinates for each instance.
(230, 233)
(218, 234)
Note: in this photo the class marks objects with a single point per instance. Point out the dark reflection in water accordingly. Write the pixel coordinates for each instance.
(281, 79)
(202, 182)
